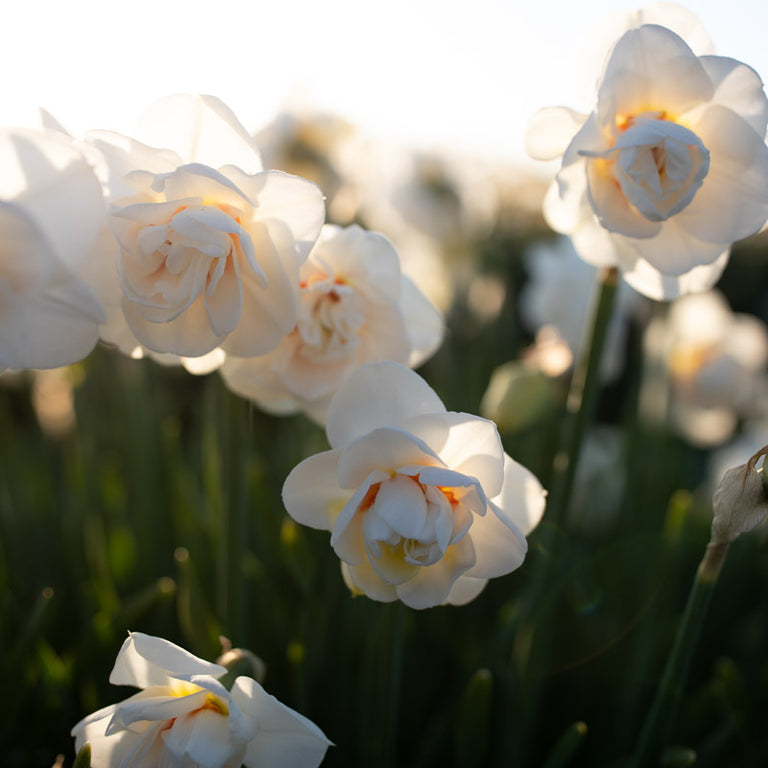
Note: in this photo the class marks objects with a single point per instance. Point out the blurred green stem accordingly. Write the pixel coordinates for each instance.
(664, 708)
(582, 399)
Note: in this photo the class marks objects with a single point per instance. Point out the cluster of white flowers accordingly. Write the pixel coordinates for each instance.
(175, 243)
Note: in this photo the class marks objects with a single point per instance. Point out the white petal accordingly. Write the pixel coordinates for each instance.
(650, 282)
(311, 492)
(144, 661)
(423, 322)
(550, 131)
(739, 88)
(364, 579)
(384, 394)
(296, 202)
(284, 738)
(224, 301)
(733, 201)
(522, 499)
(464, 590)
(651, 68)
(432, 584)
(500, 546)
(466, 444)
(385, 449)
(201, 129)
(204, 738)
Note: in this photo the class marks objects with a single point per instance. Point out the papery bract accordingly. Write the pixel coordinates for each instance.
(671, 163)
(185, 718)
(423, 505)
(356, 307)
(51, 211)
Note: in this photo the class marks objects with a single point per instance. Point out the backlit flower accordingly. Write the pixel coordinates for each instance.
(423, 504)
(185, 718)
(671, 163)
(51, 211)
(356, 307)
(208, 245)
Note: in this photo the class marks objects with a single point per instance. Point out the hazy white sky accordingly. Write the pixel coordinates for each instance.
(433, 72)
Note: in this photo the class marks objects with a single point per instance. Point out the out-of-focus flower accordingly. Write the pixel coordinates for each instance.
(556, 296)
(209, 245)
(716, 361)
(423, 505)
(51, 211)
(185, 718)
(671, 162)
(356, 307)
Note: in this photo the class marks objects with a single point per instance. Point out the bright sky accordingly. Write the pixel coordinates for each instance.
(434, 73)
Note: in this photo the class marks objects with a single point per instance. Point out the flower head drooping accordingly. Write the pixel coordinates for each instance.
(356, 307)
(185, 718)
(668, 170)
(423, 505)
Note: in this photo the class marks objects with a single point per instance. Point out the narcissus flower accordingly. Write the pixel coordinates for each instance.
(356, 307)
(672, 163)
(185, 718)
(423, 504)
(51, 212)
(208, 245)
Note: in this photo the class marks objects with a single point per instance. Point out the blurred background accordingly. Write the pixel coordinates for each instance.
(128, 488)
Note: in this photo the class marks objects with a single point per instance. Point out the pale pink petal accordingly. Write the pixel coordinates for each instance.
(145, 660)
(550, 131)
(284, 738)
(201, 129)
(384, 394)
(311, 492)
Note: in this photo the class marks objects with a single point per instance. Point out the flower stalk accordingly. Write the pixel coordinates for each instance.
(582, 399)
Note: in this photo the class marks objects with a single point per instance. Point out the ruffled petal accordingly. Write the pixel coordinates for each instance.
(550, 131)
(500, 546)
(522, 499)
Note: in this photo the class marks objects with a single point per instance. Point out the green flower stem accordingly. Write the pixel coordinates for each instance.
(582, 400)
(664, 708)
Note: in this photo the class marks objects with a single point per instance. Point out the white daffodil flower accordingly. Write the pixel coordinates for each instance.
(423, 504)
(356, 307)
(668, 170)
(185, 718)
(208, 245)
